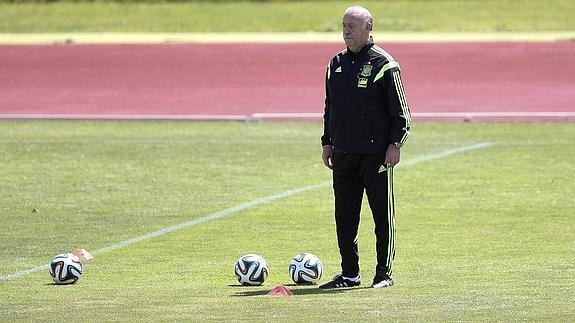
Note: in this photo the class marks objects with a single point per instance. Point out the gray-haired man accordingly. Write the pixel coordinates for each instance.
(366, 122)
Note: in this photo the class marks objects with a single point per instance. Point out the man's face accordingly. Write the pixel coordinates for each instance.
(355, 31)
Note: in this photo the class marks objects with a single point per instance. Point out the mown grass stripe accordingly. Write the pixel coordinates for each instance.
(240, 207)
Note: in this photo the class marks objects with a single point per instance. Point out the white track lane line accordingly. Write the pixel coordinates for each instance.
(240, 207)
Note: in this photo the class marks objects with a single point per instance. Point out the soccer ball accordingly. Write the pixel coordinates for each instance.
(252, 270)
(65, 269)
(305, 268)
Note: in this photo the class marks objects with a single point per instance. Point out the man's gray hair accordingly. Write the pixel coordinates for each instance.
(367, 18)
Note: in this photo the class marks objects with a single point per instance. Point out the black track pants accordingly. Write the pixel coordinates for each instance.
(352, 174)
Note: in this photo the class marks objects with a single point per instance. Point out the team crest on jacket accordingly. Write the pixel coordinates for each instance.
(366, 70)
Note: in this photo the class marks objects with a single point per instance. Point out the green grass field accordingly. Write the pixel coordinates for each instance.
(485, 226)
(286, 16)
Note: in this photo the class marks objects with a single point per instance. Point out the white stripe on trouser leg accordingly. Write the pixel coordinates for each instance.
(390, 221)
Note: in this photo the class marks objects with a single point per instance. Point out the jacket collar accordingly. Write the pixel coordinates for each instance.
(363, 50)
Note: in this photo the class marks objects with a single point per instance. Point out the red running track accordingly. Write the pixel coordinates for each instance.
(242, 79)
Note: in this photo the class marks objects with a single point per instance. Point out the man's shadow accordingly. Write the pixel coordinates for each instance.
(295, 289)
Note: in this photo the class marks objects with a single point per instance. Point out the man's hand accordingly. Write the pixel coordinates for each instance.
(392, 156)
(327, 155)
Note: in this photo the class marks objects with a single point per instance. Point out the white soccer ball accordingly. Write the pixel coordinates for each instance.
(305, 268)
(65, 269)
(251, 270)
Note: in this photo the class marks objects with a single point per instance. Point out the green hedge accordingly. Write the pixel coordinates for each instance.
(146, 1)
(285, 16)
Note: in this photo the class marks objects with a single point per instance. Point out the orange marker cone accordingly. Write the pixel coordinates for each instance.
(280, 290)
(83, 254)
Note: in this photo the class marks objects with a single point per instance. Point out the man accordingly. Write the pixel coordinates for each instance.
(366, 122)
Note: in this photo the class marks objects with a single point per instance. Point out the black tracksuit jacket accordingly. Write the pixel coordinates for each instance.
(365, 105)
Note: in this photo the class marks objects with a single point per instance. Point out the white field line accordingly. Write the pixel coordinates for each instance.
(435, 115)
(240, 207)
(316, 116)
(494, 114)
(200, 141)
(199, 117)
(444, 154)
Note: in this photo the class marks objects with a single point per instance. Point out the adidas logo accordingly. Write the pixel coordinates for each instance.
(338, 70)
(382, 169)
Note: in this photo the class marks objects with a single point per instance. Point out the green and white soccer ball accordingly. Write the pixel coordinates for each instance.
(251, 270)
(305, 268)
(65, 269)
